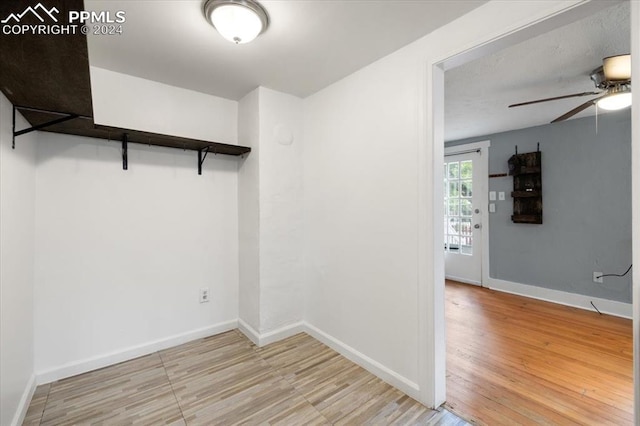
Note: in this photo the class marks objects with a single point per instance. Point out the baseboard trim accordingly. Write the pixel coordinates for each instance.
(94, 363)
(249, 331)
(71, 369)
(611, 307)
(281, 333)
(374, 367)
(462, 280)
(268, 337)
(25, 400)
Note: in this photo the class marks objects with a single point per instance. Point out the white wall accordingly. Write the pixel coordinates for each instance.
(360, 212)
(17, 200)
(121, 255)
(249, 211)
(121, 100)
(281, 286)
(373, 145)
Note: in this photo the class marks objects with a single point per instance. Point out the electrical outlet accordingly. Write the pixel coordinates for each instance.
(597, 277)
(204, 295)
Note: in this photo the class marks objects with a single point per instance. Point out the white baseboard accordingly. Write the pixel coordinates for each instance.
(281, 333)
(25, 400)
(71, 369)
(262, 339)
(374, 367)
(611, 307)
(462, 280)
(85, 365)
(250, 332)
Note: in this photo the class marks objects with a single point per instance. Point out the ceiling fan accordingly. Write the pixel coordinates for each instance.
(613, 79)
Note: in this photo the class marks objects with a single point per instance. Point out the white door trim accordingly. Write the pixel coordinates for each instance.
(483, 146)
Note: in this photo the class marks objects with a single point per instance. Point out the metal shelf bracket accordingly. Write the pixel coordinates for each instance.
(201, 158)
(125, 151)
(66, 117)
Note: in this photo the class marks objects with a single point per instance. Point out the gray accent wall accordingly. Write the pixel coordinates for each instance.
(586, 184)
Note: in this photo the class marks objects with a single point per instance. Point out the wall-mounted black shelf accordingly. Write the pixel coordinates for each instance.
(72, 124)
(47, 79)
(526, 170)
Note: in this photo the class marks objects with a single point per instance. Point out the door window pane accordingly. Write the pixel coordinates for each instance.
(454, 206)
(466, 169)
(465, 208)
(465, 188)
(454, 189)
(454, 170)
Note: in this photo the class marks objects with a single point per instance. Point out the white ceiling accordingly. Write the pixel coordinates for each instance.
(309, 43)
(559, 62)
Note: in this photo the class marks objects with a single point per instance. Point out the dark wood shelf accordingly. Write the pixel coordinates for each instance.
(527, 187)
(527, 218)
(526, 171)
(526, 194)
(86, 127)
(47, 78)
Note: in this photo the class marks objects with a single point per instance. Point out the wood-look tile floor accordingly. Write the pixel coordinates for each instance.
(225, 380)
(515, 360)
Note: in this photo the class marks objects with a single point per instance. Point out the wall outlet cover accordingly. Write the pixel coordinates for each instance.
(597, 277)
(492, 195)
(204, 295)
(501, 195)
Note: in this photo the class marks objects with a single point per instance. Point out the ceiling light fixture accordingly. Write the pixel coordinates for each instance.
(619, 98)
(239, 21)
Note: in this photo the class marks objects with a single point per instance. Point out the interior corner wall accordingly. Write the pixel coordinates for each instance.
(270, 211)
(249, 211)
(281, 142)
(121, 256)
(586, 187)
(122, 100)
(17, 210)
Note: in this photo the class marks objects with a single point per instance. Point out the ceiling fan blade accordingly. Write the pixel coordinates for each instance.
(577, 109)
(575, 95)
(617, 68)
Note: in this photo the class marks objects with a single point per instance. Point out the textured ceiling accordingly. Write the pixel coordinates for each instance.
(309, 43)
(556, 63)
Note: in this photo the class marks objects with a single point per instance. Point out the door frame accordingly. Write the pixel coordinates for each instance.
(431, 319)
(483, 148)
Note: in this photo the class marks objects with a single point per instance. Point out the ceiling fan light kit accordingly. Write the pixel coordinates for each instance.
(613, 78)
(617, 68)
(616, 100)
(239, 21)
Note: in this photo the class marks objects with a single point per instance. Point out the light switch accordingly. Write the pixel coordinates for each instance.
(492, 208)
(492, 195)
(501, 195)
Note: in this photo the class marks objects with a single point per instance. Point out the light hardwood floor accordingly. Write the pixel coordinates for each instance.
(514, 360)
(224, 380)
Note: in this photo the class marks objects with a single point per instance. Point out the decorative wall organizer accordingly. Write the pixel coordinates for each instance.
(526, 170)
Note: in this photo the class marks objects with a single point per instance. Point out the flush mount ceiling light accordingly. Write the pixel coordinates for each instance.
(239, 21)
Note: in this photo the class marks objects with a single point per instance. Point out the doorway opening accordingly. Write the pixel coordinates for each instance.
(436, 82)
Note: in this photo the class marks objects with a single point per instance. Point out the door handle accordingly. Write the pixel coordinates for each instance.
(477, 226)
